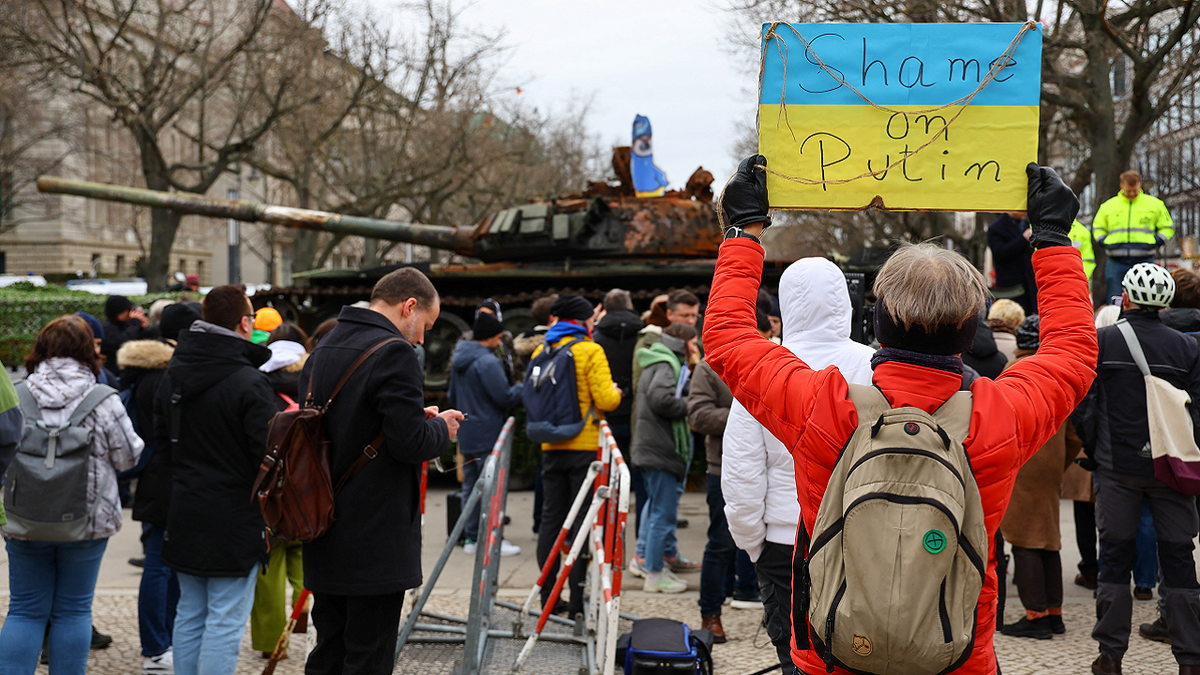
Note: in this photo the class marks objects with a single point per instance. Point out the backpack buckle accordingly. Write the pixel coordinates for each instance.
(371, 452)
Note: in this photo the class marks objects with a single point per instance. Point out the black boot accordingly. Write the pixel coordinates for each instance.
(1056, 624)
(1156, 631)
(100, 640)
(1038, 628)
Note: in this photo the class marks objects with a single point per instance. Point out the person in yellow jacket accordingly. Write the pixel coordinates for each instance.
(1081, 238)
(565, 463)
(1130, 227)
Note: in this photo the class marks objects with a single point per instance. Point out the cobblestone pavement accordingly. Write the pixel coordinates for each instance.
(747, 651)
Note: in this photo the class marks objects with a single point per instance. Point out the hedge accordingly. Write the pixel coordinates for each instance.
(25, 309)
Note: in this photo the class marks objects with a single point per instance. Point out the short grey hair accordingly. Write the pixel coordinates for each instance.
(617, 299)
(928, 286)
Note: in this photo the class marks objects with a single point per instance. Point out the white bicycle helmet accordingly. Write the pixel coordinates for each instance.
(1149, 285)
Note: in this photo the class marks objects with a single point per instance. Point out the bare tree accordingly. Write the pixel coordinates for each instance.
(197, 83)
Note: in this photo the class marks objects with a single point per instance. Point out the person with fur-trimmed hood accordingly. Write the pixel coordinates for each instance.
(143, 364)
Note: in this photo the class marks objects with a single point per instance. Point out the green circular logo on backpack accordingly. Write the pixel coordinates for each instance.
(935, 541)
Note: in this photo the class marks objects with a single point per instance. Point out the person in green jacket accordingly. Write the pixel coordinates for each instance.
(1130, 226)
(1081, 238)
(12, 428)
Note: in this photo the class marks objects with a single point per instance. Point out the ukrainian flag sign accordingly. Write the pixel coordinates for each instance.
(899, 116)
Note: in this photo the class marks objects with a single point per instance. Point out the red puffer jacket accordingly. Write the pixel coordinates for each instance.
(810, 412)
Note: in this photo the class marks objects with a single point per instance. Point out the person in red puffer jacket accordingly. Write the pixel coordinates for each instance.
(929, 300)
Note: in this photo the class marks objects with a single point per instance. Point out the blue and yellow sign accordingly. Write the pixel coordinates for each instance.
(900, 116)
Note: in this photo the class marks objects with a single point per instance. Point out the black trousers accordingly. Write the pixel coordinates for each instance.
(563, 472)
(356, 634)
(1038, 574)
(774, 568)
(1119, 501)
(1085, 538)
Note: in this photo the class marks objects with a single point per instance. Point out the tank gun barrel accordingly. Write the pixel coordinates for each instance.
(436, 236)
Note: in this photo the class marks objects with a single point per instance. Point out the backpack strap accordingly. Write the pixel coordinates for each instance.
(954, 417)
(869, 402)
(372, 450)
(350, 371)
(29, 406)
(89, 403)
(1135, 347)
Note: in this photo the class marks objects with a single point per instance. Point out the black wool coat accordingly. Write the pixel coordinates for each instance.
(214, 526)
(617, 333)
(374, 544)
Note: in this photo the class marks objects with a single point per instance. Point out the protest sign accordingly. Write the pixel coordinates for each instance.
(899, 116)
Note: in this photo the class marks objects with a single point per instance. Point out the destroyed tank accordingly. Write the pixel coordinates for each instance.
(586, 244)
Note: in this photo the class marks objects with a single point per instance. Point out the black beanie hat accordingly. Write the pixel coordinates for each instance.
(572, 307)
(943, 341)
(115, 304)
(486, 326)
(1028, 334)
(177, 318)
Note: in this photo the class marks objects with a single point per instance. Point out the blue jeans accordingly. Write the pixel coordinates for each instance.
(158, 596)
(210, 622)
(658, 516)
(1145, 569)
(50, 582)
(472, 467)
(1114, 272)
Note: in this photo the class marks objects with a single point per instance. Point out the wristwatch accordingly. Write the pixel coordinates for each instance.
(735, 232)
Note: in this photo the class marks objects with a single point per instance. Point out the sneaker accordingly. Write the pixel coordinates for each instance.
(1156, 631)
(469, 547)
(636, 567)
(661, 583)
(747, 601)
(682, 564)
(163, 664)
(1056, 624)
(1038, 629)
(1143, 593)
(508, 549)
(100, 640)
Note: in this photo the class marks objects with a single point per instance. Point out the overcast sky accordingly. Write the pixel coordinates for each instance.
(666, 59)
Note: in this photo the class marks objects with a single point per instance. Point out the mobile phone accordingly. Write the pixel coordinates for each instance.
(1115, 300)
(465, 417)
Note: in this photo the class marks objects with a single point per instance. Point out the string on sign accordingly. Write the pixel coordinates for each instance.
(781, 46)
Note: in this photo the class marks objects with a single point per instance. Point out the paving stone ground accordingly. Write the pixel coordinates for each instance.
(748, 649)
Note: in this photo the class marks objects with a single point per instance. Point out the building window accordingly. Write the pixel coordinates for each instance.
(3, 262)
(120, 267)
(6, 195)
(182, 266)
(200, 270)
(95, 269)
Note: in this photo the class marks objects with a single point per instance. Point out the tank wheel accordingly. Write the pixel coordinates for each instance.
(439, 345)
(518, 320)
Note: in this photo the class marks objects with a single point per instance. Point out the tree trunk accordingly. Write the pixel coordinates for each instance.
(164, 224)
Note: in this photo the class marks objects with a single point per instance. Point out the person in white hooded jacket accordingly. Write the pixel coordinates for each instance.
(58, 578)
(757, 473)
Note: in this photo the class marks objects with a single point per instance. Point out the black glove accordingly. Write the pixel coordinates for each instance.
(1051, 206)
(744, 200)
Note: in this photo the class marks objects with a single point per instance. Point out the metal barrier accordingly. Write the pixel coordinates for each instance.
(607, 483)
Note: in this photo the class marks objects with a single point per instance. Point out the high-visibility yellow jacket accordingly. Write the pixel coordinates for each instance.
(1132, 229)
(1081, 239)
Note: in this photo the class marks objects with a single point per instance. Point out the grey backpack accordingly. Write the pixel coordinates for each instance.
(46, 488)
(896, 563)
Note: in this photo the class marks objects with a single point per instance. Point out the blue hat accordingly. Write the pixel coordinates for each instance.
(641, 126)
(93, 323)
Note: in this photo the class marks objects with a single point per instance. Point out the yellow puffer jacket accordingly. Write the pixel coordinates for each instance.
(595, 384)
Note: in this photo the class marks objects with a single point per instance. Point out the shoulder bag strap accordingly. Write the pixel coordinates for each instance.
(1135, 347)
(89, 403)
(176, 415)
(372, 450)
(353, 367)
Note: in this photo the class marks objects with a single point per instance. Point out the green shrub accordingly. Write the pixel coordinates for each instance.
(25, 309)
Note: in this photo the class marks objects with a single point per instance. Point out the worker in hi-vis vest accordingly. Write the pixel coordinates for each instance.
(1130, 227)
(1081, 238)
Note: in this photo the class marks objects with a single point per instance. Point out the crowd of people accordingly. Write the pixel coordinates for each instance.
(171, 406)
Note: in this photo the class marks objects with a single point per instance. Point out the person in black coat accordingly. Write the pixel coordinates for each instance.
(143, 365)
(124, 321)
(359, 569)
(617, 333)
(1012, 257)
(985, 358)
(216, 405)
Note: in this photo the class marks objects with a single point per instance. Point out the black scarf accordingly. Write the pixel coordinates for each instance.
(950, 364)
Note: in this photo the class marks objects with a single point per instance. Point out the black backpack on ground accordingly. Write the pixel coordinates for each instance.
(665, 647)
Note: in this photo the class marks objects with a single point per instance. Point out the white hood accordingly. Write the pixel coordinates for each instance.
(757, 472)
(815, 305)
